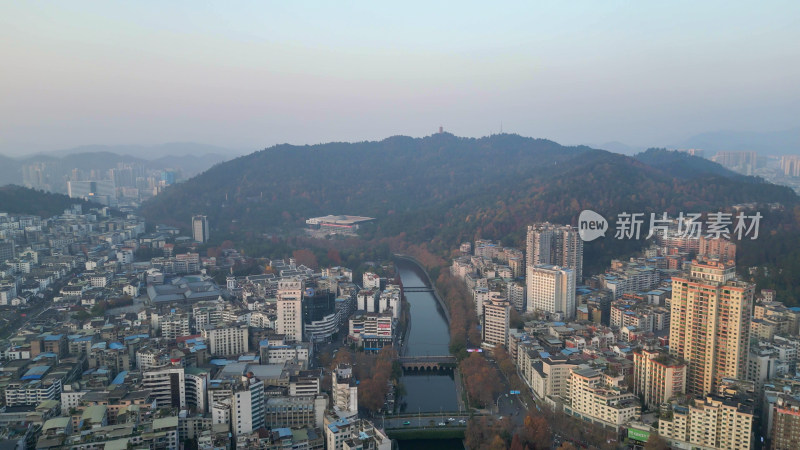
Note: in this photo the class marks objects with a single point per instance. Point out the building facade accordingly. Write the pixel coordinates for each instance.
(496, 316)
(227, 340)
(551, 289)
(710, 324)
(657, 376)
(710, 422)
(290, 309)
(200, 230)
(555, 245)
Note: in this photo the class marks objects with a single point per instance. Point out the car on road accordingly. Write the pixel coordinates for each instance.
(441, 424)
(406, 423)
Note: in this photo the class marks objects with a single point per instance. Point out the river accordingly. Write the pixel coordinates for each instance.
(428, 334)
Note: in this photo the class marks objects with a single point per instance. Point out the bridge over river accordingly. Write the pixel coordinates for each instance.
(417, 289)
(420, 363)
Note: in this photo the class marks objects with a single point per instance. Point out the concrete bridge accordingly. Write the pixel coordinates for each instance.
(417, 289)
(420, 363)
(427, 425)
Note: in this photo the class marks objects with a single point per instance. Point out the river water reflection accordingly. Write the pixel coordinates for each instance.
(428, 335)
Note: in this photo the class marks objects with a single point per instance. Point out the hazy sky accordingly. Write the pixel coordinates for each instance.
(249, 75)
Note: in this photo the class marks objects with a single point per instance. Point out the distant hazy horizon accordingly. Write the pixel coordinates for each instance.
(246, 76)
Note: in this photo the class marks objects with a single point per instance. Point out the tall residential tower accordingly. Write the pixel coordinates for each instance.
(710, 324)
(200, 232)
(290, 309)
(556, 245)
(551, 289)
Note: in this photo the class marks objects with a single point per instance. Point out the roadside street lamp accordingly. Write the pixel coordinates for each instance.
(497, 402)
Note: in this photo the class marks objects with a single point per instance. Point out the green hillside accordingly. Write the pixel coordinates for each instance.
(442, 189)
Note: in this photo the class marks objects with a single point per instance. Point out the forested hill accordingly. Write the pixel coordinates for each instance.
(20, 200)
(400, 174)
(443, 189)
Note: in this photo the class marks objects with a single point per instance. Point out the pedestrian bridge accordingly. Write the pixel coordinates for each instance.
(422, 363)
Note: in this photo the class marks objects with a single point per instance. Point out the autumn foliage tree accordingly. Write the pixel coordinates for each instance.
(305, 257)
(375, 372)
(535, 433)
(463, 319)
(481, 380)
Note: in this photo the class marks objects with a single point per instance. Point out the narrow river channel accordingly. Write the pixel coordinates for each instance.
(428, 335)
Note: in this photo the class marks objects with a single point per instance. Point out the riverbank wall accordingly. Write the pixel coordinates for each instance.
(430, 284)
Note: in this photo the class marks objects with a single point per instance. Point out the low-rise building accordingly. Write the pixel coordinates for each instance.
(593, 399)
(710, 422)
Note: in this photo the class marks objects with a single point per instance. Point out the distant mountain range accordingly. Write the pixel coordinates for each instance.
(776, 143)
(785, 142)
(151, 152)
(190, 158)
(444, 189)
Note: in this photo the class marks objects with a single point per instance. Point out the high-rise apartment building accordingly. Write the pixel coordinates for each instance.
(744, 162)
(551, 289)
(167, 387)
(496, 314)
(555, 245)
(710, 324)
(790, 165)
(6, 251)
(172, 325)
(196, 389)
(515, 291)
(290, 309)
(227, 340)
(717, 248)
(247, 406)
(200, 231)
(100, 191)
(657, 376)
(785, 432)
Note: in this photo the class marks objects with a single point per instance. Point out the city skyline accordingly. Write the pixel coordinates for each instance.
(250, 76)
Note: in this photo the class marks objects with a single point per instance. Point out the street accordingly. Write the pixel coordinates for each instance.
(425, 420)
(509, 405)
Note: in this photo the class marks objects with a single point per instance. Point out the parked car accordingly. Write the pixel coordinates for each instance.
(441, 424)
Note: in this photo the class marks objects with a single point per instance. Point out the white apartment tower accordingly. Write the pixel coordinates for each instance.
(290, 309)
(200, 231)
(556, 245)
(496, 316)
(551, 289)
(247, 406)
(167, 387)
(227, 340)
